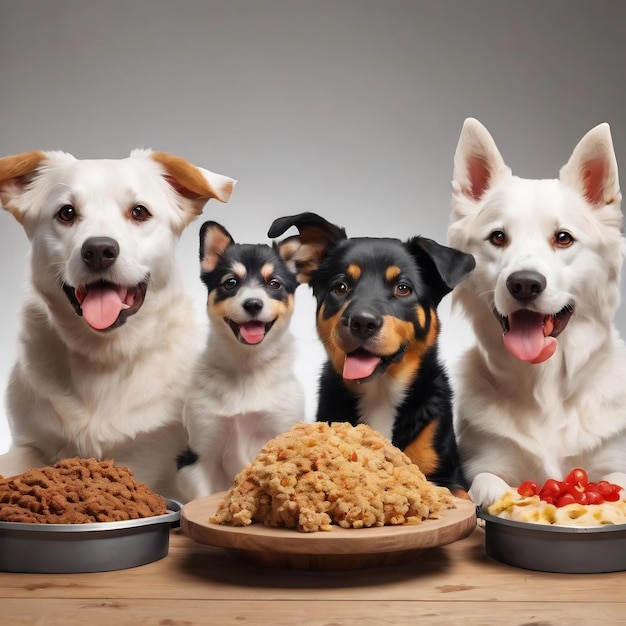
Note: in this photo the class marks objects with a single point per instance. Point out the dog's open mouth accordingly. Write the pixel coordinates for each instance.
(531, 336)
(361, 365)
(252, 332)
(105, 305)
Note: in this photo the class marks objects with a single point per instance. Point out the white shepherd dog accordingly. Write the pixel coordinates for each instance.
(544, 388)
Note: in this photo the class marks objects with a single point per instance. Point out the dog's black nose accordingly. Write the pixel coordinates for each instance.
(363, 324)
(525, 285)
(100, 252)
(253, 305)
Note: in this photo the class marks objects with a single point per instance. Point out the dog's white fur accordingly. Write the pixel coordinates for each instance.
(118, 394)
(241, 395)
(517, 420)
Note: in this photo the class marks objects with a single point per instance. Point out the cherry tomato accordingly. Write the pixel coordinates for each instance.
(609, 491)
(566, 498)
(577, 477)
(594, 497)
(528, 488)
(553, 487)
(575, 488)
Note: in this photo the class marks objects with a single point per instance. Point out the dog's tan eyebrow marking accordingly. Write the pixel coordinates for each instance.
(267, 271)
(392, 273)
(354, 271)
(239, 269)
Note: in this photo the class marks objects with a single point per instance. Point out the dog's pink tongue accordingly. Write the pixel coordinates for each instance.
(252, 332)
(525, 338)
(101, 307)
(360, 365)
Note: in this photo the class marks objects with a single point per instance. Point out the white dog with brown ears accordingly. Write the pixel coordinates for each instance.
(108, 335)
(542, 391)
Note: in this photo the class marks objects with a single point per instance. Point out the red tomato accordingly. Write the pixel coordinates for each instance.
(575, 488)
(609, 491)
(577, 477)
(553, 487)
(528, 488)
(566, 498)
(594, 497)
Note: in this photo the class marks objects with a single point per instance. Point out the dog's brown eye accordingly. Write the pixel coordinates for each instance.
(274, 284)
(402, 290)
(229, 283)
(563, 239)
(340, 288)
(66, 214)
(140, 213)
(497, 238)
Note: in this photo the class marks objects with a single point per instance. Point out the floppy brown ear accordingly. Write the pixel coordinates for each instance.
(304, 252)
(15, 173)
(214, 240)
(442, 267)
(194, 183)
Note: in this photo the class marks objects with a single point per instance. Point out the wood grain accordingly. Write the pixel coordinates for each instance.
(307, 612)
(339, 548)
(198, 584)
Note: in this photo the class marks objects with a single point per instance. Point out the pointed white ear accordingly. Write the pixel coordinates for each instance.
(477, 161)
(592, 168)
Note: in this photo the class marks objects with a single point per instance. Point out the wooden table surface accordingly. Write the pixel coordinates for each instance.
(195, 584)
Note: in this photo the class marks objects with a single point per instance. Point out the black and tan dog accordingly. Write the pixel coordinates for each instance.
(377, 318)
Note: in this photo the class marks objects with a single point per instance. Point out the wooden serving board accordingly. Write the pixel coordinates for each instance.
(339, 548)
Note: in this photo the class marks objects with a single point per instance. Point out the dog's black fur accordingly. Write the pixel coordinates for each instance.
(377, 297)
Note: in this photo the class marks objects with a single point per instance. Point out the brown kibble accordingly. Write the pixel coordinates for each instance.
(77, 491)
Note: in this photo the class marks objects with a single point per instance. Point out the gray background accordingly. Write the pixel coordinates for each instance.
(350, 108)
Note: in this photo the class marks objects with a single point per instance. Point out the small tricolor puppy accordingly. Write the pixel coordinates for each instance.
(244, 391)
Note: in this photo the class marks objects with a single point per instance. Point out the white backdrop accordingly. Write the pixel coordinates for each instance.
(349, 108)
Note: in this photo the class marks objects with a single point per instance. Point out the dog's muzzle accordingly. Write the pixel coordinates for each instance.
(529, 334)
(104, 305)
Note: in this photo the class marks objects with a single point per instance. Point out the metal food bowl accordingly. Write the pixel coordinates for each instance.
(95, 547)
(552, 548)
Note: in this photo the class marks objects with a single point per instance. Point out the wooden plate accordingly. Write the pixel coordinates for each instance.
(340, 548)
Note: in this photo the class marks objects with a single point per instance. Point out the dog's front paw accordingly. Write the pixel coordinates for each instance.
(486, 489)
